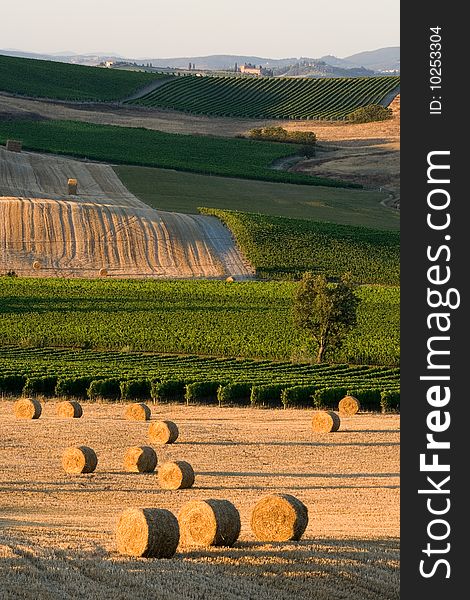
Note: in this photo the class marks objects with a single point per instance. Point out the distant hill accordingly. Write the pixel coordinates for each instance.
(319, 68)
(380, 60)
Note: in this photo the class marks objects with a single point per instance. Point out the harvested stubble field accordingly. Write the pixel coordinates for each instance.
(57, 530)
(103, 227)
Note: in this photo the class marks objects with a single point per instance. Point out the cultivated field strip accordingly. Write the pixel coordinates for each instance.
(103, 229)
(56, 364)
(274, 98)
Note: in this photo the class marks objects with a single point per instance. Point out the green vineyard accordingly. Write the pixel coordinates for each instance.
(134, 376)
(250, 319)
(275, 98)
(61, 81)
(282, 248)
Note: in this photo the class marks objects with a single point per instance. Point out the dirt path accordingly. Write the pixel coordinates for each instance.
(57, 530)
(44, 232)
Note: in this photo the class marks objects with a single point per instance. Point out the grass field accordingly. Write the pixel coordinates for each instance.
(282, 247)
(61, 81)
(267, 97)
(165, 189)
(57, 530)
(245, 319)
(129, 145)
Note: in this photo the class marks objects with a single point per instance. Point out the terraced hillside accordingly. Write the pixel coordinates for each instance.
(104, 229)
(278, 98)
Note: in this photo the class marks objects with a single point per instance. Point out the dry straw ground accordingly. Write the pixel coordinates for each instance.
(104, 230)
(57, 530)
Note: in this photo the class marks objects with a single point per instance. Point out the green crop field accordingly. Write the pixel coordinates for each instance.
(216, 318)
(61, 81)
(47, 371)
(282, 247)
(278, 98)
(165, 189)
(247, 159)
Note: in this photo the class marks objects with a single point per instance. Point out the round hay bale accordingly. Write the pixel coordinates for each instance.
(69, 409)
(138, 411)
(349, 406)
(178, 475)
(37, 265)
(103, 272)
(209, 523)
(140, 459)
(27, 408)
(279, 518)
(147, 532)
(163, 432)
(325, 421)
(230, 279)
(81, 459)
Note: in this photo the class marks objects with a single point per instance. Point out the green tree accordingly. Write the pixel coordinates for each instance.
(327, 312)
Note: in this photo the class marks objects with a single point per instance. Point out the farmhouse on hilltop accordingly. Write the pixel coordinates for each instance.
(250, 69)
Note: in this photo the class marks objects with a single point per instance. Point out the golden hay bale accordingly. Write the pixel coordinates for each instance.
(37, 265)
(69, 409)
(349, 406)
(209, 523)
(325, 421)
(27, 408)
(138, 411)
(14, 145)
(279, 518)
(230, 279)
(163, 432)
(140, 459)
(147, 532)
(178, 475)
(72, 185)
(103, 272)
(81, 459)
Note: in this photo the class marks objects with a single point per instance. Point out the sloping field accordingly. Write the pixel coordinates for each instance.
(104, 227)
(49, 79)
(278, 98)
(57, 530)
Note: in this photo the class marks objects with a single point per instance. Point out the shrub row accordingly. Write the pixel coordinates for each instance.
(203, 392)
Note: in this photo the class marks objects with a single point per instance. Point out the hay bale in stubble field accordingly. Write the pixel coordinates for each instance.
(103, 272)
(349, 405)
(69, 409)
(138, 411)
(325, 421)
(147, 532)
(14, 145)
(72, 187)
(279, 518)
(27, 408)
(80, 459)
(176, 475)
(163, 432)
(209, 523)
(37, 265)
(140, 459)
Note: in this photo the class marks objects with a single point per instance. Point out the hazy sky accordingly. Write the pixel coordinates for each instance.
(156, 28)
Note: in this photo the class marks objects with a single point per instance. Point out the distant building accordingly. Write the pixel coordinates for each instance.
(250, 69)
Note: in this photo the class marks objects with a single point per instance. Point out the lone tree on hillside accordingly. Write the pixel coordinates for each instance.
(325, 311)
